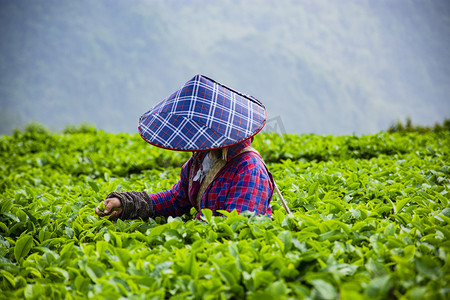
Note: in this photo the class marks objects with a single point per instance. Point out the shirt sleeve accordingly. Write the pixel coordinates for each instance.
(251, 189)
(173, 202)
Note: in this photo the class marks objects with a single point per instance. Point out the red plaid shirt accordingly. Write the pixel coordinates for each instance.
(243, 184)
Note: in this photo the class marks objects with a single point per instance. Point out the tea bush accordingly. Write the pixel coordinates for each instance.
(370, 221)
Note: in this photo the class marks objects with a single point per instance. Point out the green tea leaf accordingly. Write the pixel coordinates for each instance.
(124, 256)
(23, 247)
(12, 216)
(190, 266)
(207, 214)
(101, 206)
(401, 204)
(325, 290)
(262, 279)
(94, 271)
(95, 187)
(379, 287)
(313, 188)
(286, 238)
(8, 277)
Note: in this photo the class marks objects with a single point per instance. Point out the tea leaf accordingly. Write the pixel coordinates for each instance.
(23, 246)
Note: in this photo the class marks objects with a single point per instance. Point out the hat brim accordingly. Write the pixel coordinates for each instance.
(192, 138)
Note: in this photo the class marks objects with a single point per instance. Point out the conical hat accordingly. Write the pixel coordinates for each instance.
(202, 115)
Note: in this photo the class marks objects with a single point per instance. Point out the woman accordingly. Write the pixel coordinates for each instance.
(217, 124)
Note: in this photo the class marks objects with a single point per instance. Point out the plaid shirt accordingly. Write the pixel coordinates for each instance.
(243, 184)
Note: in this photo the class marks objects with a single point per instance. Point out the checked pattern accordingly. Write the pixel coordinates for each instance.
(202, 115)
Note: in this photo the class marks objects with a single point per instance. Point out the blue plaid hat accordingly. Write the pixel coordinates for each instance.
(202, 115)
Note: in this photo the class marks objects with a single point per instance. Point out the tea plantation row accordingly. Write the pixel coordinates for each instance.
(371, 220)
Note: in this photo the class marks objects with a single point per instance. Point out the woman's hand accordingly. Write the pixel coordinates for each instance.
(113, 207)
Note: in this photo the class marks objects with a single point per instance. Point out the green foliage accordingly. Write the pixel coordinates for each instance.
(81, 128)
(35, 127)
(370, 220)
(409, 127)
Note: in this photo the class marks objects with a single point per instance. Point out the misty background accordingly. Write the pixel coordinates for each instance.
(324, 67)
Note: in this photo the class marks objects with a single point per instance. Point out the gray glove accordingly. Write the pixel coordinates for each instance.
(135, 205)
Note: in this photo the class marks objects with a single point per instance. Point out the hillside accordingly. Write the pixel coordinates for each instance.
(322, 67)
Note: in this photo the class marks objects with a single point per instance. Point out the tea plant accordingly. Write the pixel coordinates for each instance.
(370, 221)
